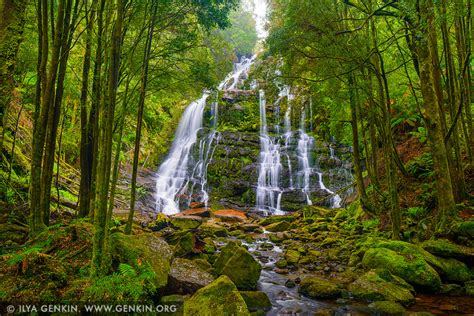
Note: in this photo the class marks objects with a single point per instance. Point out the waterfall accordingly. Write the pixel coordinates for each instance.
(268, 190)
(304, 143)
(179, 174)
(173, 174)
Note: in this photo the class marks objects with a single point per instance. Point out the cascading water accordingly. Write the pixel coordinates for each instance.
(268, 190)
(304, 143)
(179, 174)
(173, 174)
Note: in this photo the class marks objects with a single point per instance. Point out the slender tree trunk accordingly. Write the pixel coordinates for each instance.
(85, 184)
(141, 108)
(100, 257)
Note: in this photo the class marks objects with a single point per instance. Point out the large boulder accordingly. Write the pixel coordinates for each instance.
(409, 267)
(186, 277)
(137, 250)
(238, 264)
(315, 287)
(183, 221)
(220, 297)
(256, 301)
(278, 226)
(381, 285)
(448, 269)
(446, 248)
(387, 308)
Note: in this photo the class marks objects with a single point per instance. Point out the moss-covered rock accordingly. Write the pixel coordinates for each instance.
(315, 287)
(455, 271)
(221, 297)
(409, 267)
(446, 248)
(187, 277)
(465, 228)
(379, 285)
(278, 226)
(184, 244)
(469, 288)
(256, 300)
(292, 256)
(239, 265)
(136, 249)
(186, 221)
(387, 308)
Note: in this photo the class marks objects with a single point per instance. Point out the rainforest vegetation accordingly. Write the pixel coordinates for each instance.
(226, 157)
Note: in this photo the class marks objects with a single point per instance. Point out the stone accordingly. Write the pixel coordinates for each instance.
(239, 265)
(315, 287)
(197, 205)
(455, 271)
(185, 244)
(452, 289)
(248, 228)
(292, 256)
(278, 227)
(186, 277)
(465, 229)
(230, 215)
(185, 221)
(409, 267)
(446, 248)
(469, 288)
(381, 285)
(137, 249)
(201, 212)
(387, 308)
(220, 297)
(256, 300)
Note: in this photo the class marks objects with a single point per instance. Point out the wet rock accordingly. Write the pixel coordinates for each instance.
(281, 271)
(411, 268)
(212, 229)
(231, 215)
(315, 287)
(250, 227)
(256, 300)
(220, 297)
(380, 284)
(239, 265)
(201, 211)
(185, 221)
(278, 226)
(387, 308)
(197, 205)
(446, 248)
(186, 277)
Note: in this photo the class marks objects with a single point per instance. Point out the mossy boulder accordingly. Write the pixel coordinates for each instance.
(256, 300)
(185, 221)
(446, 248)
(292, 256)
(220, 297)
(238, 264)
(187, 277)
(315, 287)
(387, 308)
(409, 267)
(184, 244)
(278, 226)
(455, 271)
(278, 218)
(137, 249)
(380, 285)
(469, 288)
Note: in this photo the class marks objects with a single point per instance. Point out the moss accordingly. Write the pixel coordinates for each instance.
(387, 308)
(185, 222)
(221, 297)
(456, 271)
(318, 288)
(292, 256)
(446, 248)
(281, 264)
(465, 228)
(134, 250)
(409, 267)
(242, 269)
(380, 284)
(256, 300)
(278, 226)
